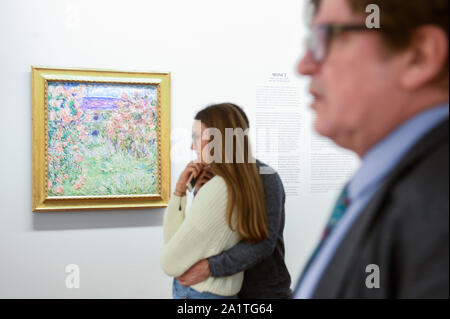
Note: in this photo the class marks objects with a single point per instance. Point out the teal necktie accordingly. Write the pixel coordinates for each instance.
(339, 210)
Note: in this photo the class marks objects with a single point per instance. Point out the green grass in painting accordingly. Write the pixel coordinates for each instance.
(116, 174)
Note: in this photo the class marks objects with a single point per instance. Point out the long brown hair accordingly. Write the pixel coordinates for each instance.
(244, 185)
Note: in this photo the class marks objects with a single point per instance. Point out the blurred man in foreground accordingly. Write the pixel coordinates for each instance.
(383, 93)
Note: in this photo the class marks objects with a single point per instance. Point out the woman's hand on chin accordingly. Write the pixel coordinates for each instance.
(192, 168)
(205, 177)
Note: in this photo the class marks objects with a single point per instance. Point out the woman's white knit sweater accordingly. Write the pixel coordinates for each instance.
(201, 233)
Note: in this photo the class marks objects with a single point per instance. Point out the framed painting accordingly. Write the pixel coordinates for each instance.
(101, 139)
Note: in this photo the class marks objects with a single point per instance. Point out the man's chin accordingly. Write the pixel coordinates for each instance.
(321, 128)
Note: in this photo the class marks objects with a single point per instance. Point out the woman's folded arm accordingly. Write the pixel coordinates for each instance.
(202, 233)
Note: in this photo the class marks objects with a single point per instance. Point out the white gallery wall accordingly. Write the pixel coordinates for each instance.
(216, 51)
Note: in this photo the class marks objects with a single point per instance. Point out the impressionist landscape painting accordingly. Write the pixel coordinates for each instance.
(102, 139)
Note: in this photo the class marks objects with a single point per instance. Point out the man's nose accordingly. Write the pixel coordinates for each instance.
(306, 65)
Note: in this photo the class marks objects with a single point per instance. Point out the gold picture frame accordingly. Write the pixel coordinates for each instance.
(100, 139)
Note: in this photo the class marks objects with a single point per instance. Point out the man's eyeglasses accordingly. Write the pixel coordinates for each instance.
(320, 38)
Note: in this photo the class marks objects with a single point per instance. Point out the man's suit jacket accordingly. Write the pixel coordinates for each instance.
(403, 230)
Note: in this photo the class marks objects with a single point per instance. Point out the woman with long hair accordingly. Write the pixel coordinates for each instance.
(230, 207)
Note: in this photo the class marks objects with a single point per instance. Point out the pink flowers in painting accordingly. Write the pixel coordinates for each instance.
(102, 139)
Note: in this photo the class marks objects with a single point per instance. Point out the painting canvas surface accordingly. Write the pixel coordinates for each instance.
(102, 139)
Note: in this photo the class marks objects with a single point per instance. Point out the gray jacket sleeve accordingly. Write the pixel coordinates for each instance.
(245, 255)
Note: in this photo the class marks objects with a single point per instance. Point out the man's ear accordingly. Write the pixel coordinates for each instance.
(425, 58)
